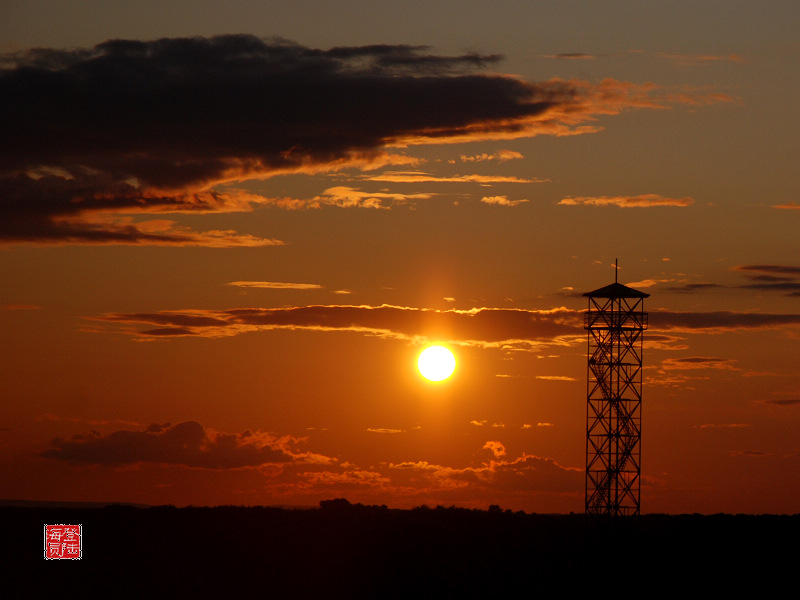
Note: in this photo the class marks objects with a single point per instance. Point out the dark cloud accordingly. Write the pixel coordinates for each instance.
(187, 444)
(783, 401)
(719, 320)
(144, 126)
(131, 127)
(791, 288)
(773, 270)
(486, 326)
(572, 56)
(697, 362)
(175, 112)
(772, 278)
(689, 288)
(480, 326)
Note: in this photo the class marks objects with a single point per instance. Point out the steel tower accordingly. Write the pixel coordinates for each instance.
(615, 322)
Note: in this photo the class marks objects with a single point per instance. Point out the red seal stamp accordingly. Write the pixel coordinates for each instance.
(63, 542)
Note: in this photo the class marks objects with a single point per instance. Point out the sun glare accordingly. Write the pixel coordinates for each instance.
(436, 363)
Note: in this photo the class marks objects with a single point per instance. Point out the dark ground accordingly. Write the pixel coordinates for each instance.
(354, 551)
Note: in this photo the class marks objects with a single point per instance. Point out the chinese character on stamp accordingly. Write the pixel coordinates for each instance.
(63, 542)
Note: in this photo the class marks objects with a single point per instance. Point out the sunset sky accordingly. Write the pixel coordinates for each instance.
(228, 229)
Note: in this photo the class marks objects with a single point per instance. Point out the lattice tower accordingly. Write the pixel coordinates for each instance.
(615, 323)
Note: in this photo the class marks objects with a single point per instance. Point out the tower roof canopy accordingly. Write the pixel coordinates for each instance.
(616, 290)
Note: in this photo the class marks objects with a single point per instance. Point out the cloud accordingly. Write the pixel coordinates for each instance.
(556, 378)
(571, 56)
(527, 473)
(780, 270)
(349, 479)
(773, 278)
(87, 207)
(783, 401)
(689, 288)
(641, 201)
(500, 156)
(646, 283)
(384, 430)
(276, 285)
(770, 278)
(787, 206)
(501, 201)
(496, 448)
(419, 177)
(521, 329)
(697, 362)
(480, 326)
(719, 321)
(347, 197)
(751, 453)
(690, 60)
(187, 444)
(95, 135)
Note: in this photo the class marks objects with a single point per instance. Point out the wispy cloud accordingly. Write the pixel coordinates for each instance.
(640, 201)
(773, 270)
(420, 177)
(499, 156)
(697, 362)
(783, 401)
(502, 201)
(571, 56)
(751, 453)
(768, 278)
(348, 197)
(691, 60)
(646, 283)
(276, 285)
(719, 321)
(688, 288)
(484, 327)
(772, 278)
(480, 326)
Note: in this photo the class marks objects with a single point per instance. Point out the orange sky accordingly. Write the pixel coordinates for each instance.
(226, 239)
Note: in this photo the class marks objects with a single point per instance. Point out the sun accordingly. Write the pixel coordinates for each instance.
(436, 363)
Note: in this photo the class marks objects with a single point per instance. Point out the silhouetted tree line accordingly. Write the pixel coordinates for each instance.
(358, 551)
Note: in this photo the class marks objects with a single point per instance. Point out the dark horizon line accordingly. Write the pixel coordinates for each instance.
(335, 504)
